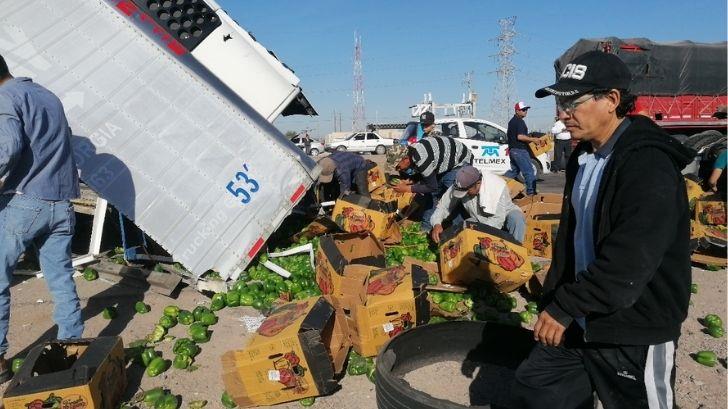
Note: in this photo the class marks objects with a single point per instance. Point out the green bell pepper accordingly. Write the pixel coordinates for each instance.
(198, 311)
(218, 302)
(167, 321)
(157, 334)
(169, 401)
(432, 279)
(152, 396)
(156, 366)
(148, 355)
(247, 299)
(532, 307)
(208, 319)
(180, 342)
(227, 401)
(181, 361)
(185, 317)
(447, 306)
(141, 308)
(171, 311)
(17, 363)
(372, 373)
(109, 313)
(436, 297)
(716, 332)
(306, 402)
(89, 274)
(712, 320)
(198, 332)
(436, 320)
(232, 298)
(707, 358)
(525, 317)
(694, 288)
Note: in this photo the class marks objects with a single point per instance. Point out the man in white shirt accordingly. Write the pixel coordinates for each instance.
(487, 200)
(562, 146)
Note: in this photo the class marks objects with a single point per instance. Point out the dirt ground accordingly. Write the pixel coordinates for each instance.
(697, 386)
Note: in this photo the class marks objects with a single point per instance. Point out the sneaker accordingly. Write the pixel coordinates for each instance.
(5, 373)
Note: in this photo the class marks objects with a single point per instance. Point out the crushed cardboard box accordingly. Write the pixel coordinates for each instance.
(474, 251)
(355, 213)
(296, 353)
(84, 373)
(380, 303)
(388, 194)
(337, 251)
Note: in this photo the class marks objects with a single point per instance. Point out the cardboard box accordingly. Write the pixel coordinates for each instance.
(515, 188)
(297, 353)
(540, 267)
(387, 194)
(355, 213)
(542, 223)
(375, 177)
(545, 144)
(695, 191)
(710, 212)
(337, 251)
(475, 251)
(382, 303)
(78, 374)
(555, 199)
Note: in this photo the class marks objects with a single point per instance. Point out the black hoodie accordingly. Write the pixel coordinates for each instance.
(636, 291)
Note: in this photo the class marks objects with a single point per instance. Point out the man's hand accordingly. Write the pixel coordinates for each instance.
(548, 331)
(402, 187)
(435, 233)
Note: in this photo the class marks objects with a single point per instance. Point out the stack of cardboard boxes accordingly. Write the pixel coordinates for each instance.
(356, 213)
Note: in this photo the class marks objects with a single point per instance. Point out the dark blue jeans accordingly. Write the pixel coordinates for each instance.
(521, 163)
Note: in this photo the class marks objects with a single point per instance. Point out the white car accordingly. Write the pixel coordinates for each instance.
(488, 143)
(362, 142)
(316, 146)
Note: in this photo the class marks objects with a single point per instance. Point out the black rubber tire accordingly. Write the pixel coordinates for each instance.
(471, 341)
(537, 168)
(341, 148)
(381, 151)
(314, 152)
(702, 139)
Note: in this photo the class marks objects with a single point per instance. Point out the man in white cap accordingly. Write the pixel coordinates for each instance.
(486, 199)
(518, 150)
(349, 169)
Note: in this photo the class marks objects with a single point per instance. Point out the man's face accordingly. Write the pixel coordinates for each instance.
(474, 190)
(586, 116)
(427, 128)
(522, 113)
(403, 164)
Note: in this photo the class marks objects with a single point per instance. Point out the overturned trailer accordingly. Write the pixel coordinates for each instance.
(170, 105)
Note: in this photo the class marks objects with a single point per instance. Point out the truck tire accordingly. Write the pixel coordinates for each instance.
(380, 150)
(475, 343)
(703, 139)
(537, 170)
(341, 148)
(314, 152)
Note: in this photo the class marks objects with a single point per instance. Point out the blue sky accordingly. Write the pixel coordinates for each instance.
(410, 48)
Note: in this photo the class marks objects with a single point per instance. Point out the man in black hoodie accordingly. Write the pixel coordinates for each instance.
(618, 288)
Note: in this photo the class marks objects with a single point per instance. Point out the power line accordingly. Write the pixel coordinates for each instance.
(358, 115)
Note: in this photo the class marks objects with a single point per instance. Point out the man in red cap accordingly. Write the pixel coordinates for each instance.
(518, 150)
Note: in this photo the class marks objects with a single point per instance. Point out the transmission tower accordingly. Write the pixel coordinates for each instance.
(503, 94)
(358, 118)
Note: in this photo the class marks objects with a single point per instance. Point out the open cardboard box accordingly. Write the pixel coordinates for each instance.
(337, 251)
(381, 303)
(355, 213)
(84, 373)
(555, 199)
(387, 194)
(542, 224)
(515, 188)
(375, 177)
(475, 251)
(298, 352)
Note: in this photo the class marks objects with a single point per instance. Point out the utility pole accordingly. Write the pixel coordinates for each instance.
(358, 118)
(503, 94)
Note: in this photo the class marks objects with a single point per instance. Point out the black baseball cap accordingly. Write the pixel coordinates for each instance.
(427, 118)
(587, 72)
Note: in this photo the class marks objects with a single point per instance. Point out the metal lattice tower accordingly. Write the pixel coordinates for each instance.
(503, 94)
(358, 119)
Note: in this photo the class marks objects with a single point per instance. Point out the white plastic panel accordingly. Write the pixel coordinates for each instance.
(155, 133)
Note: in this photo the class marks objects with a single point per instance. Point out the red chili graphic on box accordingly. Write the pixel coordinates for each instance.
(354, 220)
(282, 318)
(384, 282)
(497, 252)
(291, 372)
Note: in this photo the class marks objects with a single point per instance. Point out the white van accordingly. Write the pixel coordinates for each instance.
(488, 143)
